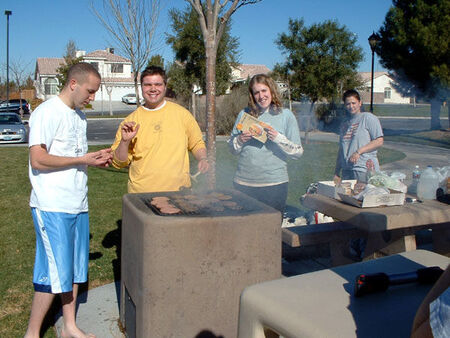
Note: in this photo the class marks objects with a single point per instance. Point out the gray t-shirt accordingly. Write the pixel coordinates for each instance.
(356, 132)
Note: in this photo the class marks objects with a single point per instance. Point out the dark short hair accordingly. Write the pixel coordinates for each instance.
(80, 72)
(349, 93)
(154, 70)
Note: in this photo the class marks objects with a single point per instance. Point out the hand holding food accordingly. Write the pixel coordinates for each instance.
(245, 136)
(100, 158)
(270, 131)
(129, 130)
(271, 134)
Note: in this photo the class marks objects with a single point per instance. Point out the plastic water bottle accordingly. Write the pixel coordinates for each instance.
(415, 180)
(370, 170)
(428, 184)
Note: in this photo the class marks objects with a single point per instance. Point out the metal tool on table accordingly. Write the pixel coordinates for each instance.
(378, 282)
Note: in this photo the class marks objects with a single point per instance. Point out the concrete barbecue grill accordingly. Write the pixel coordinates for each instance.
(182, 274)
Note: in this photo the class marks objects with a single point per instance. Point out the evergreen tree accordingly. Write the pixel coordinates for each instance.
(70, 59)
(414, 45)
(156, 60)
(321, 59)
(187, 43)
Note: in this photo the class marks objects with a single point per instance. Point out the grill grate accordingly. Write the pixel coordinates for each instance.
(208, 204)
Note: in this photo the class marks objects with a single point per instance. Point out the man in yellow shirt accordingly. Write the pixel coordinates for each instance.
(154, 140)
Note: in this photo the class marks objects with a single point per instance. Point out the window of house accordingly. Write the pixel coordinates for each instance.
(51, 86)
(387, 92)
(117, 68)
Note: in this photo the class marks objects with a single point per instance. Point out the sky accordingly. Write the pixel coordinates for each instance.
(43, 28)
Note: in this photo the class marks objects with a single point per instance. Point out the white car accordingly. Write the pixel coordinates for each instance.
(12, 129)
(129, 98)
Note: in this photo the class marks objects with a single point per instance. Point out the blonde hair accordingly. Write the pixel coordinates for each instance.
(276, 104)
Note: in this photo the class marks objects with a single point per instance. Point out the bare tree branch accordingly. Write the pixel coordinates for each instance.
(20, 75)
(132, 25)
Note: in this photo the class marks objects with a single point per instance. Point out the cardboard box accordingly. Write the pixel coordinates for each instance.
(255, 126)
(329, 189)
(371, 201)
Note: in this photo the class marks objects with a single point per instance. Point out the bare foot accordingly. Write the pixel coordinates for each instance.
(75, 333)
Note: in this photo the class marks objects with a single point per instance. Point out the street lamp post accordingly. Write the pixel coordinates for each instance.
(373, 41)
(7, 13)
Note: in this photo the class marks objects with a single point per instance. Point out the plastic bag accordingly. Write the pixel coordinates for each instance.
(371, 190)
(383, 180)
(398, 176)
(443, 173)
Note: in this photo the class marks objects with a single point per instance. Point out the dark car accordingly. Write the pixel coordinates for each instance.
(14, 105)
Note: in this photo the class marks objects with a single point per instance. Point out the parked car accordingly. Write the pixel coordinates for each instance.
(14, 106)
(130, 99)
(12, 129)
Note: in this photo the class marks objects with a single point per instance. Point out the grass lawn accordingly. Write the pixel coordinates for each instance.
(420, 110)
(436, 138)
(106, 188)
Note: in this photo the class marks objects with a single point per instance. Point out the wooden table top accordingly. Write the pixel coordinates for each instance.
(381, 218)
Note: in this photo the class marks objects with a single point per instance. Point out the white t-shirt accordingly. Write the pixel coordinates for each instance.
(63, 131)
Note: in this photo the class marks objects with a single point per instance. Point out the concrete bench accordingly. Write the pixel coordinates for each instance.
(336, 234)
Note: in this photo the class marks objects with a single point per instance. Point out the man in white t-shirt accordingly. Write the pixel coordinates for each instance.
(58, 175)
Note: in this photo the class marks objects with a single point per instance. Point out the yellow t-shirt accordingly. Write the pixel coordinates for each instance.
(158, 156)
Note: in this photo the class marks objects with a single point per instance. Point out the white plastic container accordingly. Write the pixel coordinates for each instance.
(428, 184)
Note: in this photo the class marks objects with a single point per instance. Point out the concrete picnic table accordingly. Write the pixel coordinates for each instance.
(390, 229)
(322, 303)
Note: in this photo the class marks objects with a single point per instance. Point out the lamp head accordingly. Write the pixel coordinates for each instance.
(7, 13)
(374, 39)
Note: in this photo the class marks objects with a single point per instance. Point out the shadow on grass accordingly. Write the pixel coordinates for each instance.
(112, 239)
(94, 255)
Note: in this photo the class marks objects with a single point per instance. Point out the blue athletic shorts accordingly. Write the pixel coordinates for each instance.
(62, 250)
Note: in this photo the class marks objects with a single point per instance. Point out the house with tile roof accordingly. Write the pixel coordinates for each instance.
(115, 70)
(383, 89)
(242, 72)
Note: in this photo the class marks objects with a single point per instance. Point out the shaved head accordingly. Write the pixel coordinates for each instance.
(80, 72)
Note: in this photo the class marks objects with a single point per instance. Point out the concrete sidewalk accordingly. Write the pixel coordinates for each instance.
(98, 311)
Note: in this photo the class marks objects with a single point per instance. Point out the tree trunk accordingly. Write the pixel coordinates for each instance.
(110, 104)
(448, 110)
(308, 123)
(136, 90)
(211, 110)
(289, 97)
(20, 105)
(435, 114)
(194, 103)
